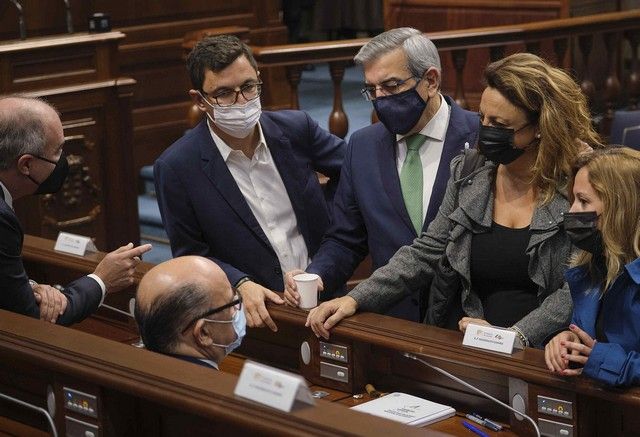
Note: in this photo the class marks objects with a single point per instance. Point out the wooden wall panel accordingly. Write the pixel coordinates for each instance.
(152, 53)
(79, 75)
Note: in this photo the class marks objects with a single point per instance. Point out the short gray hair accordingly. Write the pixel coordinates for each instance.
(421, 53)
(22, 131)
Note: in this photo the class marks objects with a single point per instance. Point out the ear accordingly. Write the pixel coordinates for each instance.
(201, 334)
(432, 78)
(24, 164)
(196, 98)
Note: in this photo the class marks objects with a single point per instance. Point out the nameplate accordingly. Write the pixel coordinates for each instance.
(489, 338)
(74, 244)
(272, 387)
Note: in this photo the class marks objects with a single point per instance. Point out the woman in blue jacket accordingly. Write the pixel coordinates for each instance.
(603, 341)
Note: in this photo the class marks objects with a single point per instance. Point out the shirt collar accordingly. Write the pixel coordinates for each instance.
(211, 363)
(634, 270)
(7, 195)
(224, 148)
(436, 128)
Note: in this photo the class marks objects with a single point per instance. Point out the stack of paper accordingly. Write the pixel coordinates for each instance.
(407, 409)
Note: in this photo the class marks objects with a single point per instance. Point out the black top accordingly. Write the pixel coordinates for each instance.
(500, 275)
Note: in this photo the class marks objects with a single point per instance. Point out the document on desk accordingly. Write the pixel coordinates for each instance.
(407, 409)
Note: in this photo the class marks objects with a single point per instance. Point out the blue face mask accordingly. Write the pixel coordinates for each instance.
(239, 323)
(400, 112)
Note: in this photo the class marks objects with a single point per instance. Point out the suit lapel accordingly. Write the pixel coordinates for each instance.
(218, 173)
(458, 132)
(389, 173)
(293, 176)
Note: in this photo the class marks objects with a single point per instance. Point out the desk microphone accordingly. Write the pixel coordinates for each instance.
(23, 27)
(69, 18)
(477, 390)
(117, 310)
(132, 303)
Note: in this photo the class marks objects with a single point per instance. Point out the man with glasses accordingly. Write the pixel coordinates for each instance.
(32, 162)
(186, 308)
(241, 187)
(395, 172)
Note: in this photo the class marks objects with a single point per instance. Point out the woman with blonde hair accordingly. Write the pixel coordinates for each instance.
(604, 222)
(495, 253)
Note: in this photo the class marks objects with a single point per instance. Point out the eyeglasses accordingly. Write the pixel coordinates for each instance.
(387, 87)
(249, 91)
(236, 303)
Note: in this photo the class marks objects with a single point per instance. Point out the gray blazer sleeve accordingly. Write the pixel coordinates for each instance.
(553, 314)
(412, 267)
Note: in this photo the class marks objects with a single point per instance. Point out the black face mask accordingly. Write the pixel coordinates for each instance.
(496, 144)
(582, 229)
(54, 181)
(400, 112)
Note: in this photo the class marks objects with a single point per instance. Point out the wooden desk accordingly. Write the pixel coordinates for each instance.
(138, 392)
(375, 344)
(233, 364)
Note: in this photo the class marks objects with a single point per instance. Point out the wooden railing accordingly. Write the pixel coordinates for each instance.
(566, 42)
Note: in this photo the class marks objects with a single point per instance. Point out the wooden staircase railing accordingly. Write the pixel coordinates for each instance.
(565, 42)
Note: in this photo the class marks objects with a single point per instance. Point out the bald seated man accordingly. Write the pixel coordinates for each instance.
(32, 162)
(186, 308)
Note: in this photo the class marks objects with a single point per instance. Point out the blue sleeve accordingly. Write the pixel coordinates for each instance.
(345, 244)
(326, 150)
(180, 222)
(326, 153)
(83, 298)
(611, 364)
(16, 294)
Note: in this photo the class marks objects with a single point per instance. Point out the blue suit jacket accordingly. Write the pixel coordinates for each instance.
(616, 362)
(205, 213)
(369, 211)
(16, 294)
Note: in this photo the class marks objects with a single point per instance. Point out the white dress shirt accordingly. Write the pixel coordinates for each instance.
(430, 152)
(265, 193)
(7, 195)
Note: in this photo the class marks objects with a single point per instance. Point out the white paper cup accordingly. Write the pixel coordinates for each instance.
(307, 284)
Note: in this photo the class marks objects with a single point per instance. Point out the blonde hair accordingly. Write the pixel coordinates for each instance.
(551, 99)
(614, 174)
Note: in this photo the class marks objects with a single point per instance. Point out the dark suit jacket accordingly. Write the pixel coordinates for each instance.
(205, 213)
(369, 211)
(16, 295)
(194, 360)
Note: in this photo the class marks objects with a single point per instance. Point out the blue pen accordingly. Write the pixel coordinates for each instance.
(475, 417)
(473, 429)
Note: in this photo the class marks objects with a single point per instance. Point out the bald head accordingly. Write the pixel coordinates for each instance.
(173, 293)
(167, 277)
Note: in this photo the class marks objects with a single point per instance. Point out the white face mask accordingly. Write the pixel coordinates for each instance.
(236, 120)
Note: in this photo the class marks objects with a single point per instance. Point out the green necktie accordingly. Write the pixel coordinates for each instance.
(411, 180)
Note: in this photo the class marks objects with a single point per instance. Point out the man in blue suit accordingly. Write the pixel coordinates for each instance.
(395, 172)
(241, 187)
